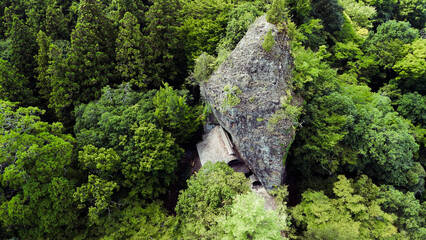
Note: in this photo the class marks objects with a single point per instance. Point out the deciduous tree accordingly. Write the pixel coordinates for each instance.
(35, 163)
(123, 120)
(248, 219)
(210, 193)
(411, 213)
(175, 115)
(350, 214)
(413, 106)
(412, 11)
(410, 69)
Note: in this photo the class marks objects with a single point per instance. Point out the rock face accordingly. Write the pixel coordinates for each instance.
(246, 92)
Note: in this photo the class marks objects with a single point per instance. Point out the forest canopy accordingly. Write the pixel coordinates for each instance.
(100, 108)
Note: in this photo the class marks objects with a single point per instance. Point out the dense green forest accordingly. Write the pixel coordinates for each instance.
(99, 102)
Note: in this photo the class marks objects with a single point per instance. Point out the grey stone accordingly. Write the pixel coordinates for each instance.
(263, 80)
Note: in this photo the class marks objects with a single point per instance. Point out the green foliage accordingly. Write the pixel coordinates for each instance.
(103, 162)
(331, 118)
(174, 115)
(352, 213)
(90, 64)
(35, 157)
(385, 10)
(23, 47)
(239, 20)
(151, 158)
(201, 35)
(60, 100)
(360, 13)
(139, 222)
(97, 193)
(347, 33)
(120, 182)
(204, 67)
(248, 219)
(131, 49)
(299, 10)
(392, 30)
(281, 198)
(311, 74)
(118, 8)
(210, 193)
(413, 11)
(330, 12)
(56, 21)
(384, 141)
(163, 41)
(345, 57)
(13, 85)
(413, 106)
(312, 34)
(269, 42)
(411, 69)
(5, 49)
(347, 128)
(382, 50)
(410, 212)
(123, 120)
(203, 24)
(127, 142)
(56, 73)
(357, 129)
(231, 98)
(35, 14)
(387, 43)
(101, 123)
(277, 12)
(43, 58)
(385, 55)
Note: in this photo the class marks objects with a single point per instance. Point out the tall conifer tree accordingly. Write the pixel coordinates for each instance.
(35, 14)
(24, 48)
(162, 38)
(136, 7)
(90, 64)
(56, 22)
(131, 49)
(43, 83)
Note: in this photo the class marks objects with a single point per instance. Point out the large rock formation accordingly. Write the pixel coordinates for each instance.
(246, 94)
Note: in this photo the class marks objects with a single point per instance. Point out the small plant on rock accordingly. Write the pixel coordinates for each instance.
(231, 98)
(269, 42)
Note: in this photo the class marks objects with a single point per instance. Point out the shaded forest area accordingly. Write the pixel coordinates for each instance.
(99, 100)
